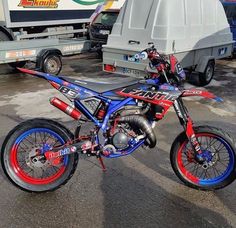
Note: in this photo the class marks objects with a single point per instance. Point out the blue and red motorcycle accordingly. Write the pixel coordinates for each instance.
(41, 155)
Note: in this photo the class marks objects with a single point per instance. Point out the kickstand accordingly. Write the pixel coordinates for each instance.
(102, 164)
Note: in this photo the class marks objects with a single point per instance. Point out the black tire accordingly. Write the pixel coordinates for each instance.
(52, 64)
(6, 160)
(4, 37)
(176, 148)
(206, 77)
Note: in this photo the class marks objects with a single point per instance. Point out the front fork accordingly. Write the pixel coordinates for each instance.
(188, 126)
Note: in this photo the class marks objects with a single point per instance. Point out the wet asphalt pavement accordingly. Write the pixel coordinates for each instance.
(137, 191)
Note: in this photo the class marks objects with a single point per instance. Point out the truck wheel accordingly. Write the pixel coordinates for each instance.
(206, 77)
(52, 64)
(4, 37)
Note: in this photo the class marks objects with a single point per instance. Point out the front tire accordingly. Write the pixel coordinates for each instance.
(17, 156)
(219, 169)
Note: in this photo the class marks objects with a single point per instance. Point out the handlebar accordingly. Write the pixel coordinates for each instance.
(141, 56)
(161, 63)
(149, 53)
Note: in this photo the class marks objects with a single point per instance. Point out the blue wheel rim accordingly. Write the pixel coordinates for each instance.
(42, 130)
(190, 169)
(226, 174)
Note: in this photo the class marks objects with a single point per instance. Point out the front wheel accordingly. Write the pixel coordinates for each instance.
(219, 168)
(23, 161)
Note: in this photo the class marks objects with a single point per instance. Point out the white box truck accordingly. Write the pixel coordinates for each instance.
(44, 30)
(19, 19)
(195, 31)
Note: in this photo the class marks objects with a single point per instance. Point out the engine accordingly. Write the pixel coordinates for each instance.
(128, 131)
(121, 140)
(122, 137)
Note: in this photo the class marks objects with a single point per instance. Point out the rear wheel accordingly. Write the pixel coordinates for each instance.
(218, 151)
(23, 161)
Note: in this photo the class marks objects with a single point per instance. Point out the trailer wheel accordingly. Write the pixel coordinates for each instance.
(206, 77)
(52, 64)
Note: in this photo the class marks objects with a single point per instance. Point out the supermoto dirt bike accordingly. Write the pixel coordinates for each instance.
(41, 155)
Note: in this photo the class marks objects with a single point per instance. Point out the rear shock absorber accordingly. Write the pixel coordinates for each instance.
(64, 107)
(101, 111)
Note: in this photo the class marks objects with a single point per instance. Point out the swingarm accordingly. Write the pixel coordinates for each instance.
(83, 145)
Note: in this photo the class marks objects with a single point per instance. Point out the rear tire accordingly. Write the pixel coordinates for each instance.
(39, 176)
(190, 172)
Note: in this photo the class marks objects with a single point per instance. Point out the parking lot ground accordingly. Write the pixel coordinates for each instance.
(137, 191)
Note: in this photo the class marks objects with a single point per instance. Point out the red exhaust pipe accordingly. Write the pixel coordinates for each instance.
(67, 109)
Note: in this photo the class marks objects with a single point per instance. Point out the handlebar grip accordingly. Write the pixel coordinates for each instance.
(141, 56)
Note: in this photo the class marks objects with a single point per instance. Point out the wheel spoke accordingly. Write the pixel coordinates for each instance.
(219, 160)
(26, 147)
(29, 141)
(218, 173)
(202, 173)
(221, 146)
(205, 174)
(38, 172)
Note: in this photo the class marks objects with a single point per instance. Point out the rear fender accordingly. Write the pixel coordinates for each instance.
(48, 77)
(68, 89)
(35, 73)
(200, 93)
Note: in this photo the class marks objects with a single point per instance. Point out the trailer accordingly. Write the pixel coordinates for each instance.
(29, 19)
(45, 30)
(46, 53)
(195, 31)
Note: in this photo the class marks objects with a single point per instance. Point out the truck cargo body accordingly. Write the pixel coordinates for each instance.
(25, 13)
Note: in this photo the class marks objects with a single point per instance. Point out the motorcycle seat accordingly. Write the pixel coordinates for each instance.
(101, 87)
